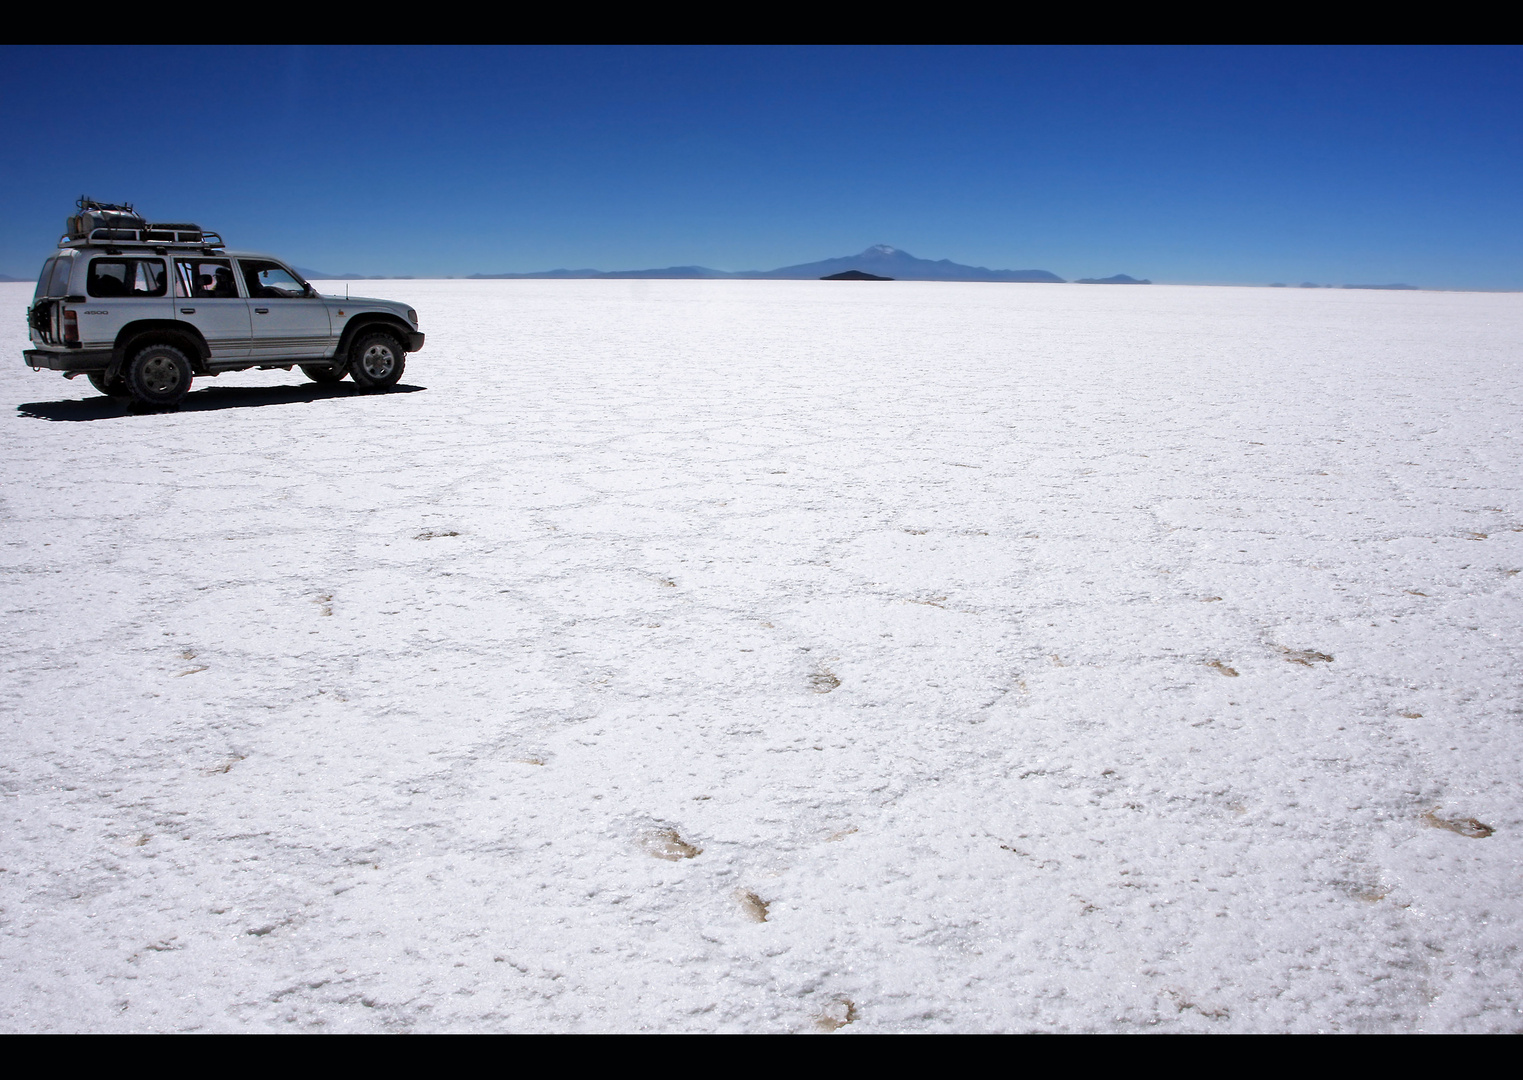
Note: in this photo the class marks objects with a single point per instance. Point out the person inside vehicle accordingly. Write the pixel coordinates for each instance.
(271, 281)
(105, 283)
(217, 286)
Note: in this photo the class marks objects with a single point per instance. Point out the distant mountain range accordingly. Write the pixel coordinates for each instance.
(319, 275)
(1314, 285)
(879, 260)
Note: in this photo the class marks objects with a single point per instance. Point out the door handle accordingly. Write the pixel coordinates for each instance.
(261, 311)
(187, 311)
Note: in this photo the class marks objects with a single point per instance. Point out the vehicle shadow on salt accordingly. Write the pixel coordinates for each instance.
(210, 399)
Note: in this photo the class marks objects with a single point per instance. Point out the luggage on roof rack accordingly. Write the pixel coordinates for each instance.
(104, 221)
(120, 223)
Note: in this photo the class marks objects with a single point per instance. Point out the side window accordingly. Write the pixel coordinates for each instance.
(109, 278)
(126, 277)
(59, 286)
(150, 279)
(270, 281)
(44, 278)
(205, 279)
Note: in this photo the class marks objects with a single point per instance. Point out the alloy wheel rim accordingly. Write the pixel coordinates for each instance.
(161, 375)
(378, 361)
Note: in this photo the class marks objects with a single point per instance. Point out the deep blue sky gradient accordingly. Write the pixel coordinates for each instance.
(1180, 164)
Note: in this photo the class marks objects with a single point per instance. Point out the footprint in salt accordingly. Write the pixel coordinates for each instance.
(1465, 826)
(668, 844)
(752, 906)
(836, 1015)
(823, 681)
(1304, 657)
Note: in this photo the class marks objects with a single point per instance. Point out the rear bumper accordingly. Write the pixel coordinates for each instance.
(414, 341)
(68, 359)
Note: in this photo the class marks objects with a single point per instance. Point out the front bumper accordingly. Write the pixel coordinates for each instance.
(414, 341)
(68, 359)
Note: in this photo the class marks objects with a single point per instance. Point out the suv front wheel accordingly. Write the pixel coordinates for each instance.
(159, 376)
(376, 360)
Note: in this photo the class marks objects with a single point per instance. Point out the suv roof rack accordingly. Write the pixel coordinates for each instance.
(153, 236)
(118, 225)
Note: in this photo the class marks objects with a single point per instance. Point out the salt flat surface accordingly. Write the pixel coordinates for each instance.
(763, 656)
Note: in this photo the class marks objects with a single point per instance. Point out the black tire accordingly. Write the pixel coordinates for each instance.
(376, 360)
(324, 376)
(159, 376)
(116, 390)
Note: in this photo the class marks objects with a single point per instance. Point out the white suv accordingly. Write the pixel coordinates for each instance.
(142, 308)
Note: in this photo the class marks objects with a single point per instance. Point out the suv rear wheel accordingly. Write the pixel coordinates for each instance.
(376, 360)
(322, 374)
(159, 376)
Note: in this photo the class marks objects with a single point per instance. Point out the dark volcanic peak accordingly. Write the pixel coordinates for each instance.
(1115, 279)
(680, 272)
(880, 260)
(854, 275)
(884, 261)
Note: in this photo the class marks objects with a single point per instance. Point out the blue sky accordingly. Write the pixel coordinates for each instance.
(1180, 164)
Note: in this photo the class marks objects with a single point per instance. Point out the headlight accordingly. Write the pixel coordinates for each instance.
(412, 316)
